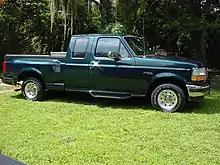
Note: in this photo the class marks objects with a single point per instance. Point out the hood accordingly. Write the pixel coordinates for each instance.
(169, 61)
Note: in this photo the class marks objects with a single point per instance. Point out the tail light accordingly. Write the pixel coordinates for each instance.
(4, 68)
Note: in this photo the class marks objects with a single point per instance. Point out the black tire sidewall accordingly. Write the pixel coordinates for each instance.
(39, 88)
(179, 92)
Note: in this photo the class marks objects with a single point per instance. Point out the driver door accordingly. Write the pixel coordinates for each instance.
(106, 74)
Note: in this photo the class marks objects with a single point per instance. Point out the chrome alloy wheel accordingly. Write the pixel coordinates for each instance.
(167, 99)
(31, 90)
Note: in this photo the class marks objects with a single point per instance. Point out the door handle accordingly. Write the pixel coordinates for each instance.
(92, 62)
(148, 73)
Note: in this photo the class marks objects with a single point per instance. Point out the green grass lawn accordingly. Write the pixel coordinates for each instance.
(81, 130)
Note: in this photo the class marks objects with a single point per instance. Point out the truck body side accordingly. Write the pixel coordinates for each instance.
(88, 68)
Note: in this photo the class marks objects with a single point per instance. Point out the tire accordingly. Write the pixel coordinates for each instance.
(33, 89)
(168, 98)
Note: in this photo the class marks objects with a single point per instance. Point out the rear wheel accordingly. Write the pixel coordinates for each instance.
(168, 98)
(33, 89)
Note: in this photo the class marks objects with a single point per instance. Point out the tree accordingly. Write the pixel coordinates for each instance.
(106, 11)
(183, 28)
(178, 26)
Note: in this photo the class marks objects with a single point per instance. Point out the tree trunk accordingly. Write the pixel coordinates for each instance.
(72, 23)
(2, 2)
(64, 33)
(50, 47)
(64, 27)
(89, 7)
(52, 10)
(106, 12)
(71, 18)
(105, 8)
(198, 43)
(75, 16)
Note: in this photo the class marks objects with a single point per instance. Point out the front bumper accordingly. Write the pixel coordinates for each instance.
(198, 92)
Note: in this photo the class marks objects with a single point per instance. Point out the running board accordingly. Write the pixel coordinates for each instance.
(110, 95)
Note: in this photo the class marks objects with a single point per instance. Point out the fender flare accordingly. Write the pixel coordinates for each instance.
(33, 70)
(166, 75)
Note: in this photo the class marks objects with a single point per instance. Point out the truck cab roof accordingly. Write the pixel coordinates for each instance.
(103, 35)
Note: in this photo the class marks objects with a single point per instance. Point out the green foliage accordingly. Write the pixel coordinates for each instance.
(21, 23)
(26, 26)
(179, 27)
(115, 28)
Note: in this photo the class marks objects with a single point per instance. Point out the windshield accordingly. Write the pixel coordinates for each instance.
(138, 46)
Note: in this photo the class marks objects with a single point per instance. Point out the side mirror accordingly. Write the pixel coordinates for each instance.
(115, 56)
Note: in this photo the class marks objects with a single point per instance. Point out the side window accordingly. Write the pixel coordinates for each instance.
(80, 47)
(106, 45)
(123, 52)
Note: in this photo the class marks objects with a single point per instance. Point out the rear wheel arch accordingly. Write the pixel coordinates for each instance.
(27, 74)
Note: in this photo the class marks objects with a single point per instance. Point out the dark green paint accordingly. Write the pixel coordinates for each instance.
(130, 75)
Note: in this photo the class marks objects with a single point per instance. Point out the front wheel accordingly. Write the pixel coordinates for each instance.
(32, 89)
(168, 98)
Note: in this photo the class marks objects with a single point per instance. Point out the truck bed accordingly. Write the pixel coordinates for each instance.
(49, 66)
(61, 56)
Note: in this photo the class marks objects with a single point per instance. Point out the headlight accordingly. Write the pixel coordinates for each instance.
(198, 74)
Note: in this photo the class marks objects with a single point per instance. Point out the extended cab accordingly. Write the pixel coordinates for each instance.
(110, 66)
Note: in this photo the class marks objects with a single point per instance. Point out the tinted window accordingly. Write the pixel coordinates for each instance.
(80, 48)
(137, 45)
(123, 52)
(106, 45)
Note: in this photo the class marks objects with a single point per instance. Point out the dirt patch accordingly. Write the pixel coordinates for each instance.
(6, 91)
(5, 87)
(2, 84)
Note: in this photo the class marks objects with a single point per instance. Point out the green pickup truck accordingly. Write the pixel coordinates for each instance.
(110, 66)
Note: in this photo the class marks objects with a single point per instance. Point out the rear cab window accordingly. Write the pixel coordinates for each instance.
(80, 47)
